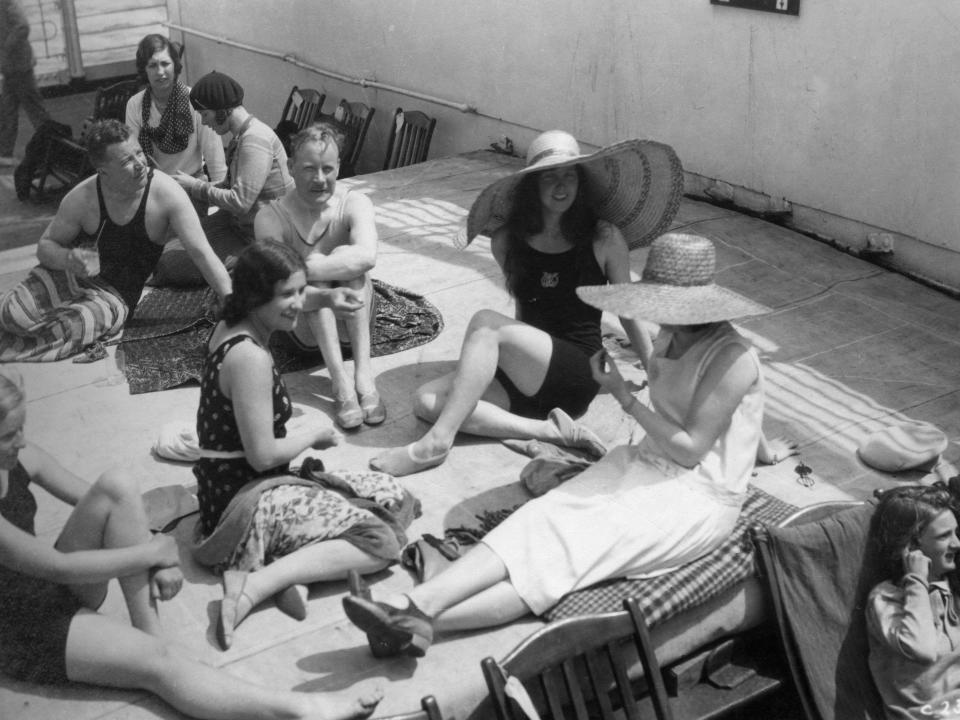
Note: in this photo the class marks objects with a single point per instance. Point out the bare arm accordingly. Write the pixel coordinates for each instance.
(359, 255)
(616, 267)
(27, 554)
(53, 477)
(727, 379)
(134, 113)
(247, 379)
(53, 248)
(185, 224)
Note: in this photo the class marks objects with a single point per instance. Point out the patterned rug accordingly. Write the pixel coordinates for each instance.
(165, 343)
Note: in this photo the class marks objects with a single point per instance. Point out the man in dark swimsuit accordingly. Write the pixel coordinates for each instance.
(130, 212)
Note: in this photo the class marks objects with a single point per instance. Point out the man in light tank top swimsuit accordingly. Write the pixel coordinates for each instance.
(334, 229)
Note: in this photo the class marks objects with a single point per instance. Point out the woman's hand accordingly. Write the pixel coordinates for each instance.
(916, 563)
(770, 452)
(165, 583)
(326, 437)
(607, 376)
(184, 180)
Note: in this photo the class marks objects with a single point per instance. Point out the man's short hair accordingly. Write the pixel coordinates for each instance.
(102, 134)
(321, 132)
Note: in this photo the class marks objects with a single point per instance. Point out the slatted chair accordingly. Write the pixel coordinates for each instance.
(65, 159)
(355, 119)
(410, 137)
(585, 667)
(302, 106)
(818, 573)
(429, 710)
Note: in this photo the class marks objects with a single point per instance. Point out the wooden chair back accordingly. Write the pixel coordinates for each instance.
(110, 103)
(355, 118)
(410, 137)
(302, 107)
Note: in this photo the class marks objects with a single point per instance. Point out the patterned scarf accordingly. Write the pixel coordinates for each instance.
(176, 123)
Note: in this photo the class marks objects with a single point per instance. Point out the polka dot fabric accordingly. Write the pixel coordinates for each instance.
(219, 480)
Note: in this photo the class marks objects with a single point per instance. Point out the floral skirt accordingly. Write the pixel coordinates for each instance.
(289, 517)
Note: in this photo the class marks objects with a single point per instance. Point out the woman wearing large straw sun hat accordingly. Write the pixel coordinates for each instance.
(641, 509)
(564, 220)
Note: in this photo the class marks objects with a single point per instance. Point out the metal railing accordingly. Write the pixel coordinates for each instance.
(294, 60)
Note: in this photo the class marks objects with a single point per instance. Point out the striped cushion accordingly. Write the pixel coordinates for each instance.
(53, 315)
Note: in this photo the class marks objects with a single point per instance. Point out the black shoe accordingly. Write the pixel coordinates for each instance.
(408, 631)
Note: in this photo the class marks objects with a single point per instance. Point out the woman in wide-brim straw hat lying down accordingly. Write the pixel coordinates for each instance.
(642, 509)
(563, 221)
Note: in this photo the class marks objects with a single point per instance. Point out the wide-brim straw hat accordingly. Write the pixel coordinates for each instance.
(636, 185)
(677, 287)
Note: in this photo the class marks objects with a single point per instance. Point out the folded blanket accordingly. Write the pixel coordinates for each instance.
(53, 315)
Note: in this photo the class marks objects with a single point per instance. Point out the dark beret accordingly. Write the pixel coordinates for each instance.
(216, 91)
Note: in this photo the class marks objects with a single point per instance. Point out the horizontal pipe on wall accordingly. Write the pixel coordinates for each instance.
(293, 60)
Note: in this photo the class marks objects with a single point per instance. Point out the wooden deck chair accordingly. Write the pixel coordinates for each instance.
(410, 137)
(65, 159)
(586, 667)
(301, 108)
(355, 118)
(429, 710)
(818, 574)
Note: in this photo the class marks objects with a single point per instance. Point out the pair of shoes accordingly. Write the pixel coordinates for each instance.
(401, 461)
(234, 585)
(292, 601)
(408, 631)
(347, 413)
(380, 646)
(374, 411)
(575, 435)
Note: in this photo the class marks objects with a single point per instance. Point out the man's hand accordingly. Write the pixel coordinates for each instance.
(165, 583)
(346, 302)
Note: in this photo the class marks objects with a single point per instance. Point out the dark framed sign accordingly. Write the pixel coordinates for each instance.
(783, 7)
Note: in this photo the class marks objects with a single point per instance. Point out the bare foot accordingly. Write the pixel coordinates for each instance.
(355, 702)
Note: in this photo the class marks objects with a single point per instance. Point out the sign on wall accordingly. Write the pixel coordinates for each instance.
(784, 7)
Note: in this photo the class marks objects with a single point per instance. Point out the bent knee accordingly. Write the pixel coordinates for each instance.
(427, 404)
(117, 485)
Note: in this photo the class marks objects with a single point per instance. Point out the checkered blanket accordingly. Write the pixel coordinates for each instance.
(690, 585)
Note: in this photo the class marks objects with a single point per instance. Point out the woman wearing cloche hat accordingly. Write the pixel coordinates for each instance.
(256, 174)
(564, 220)
(642, 509)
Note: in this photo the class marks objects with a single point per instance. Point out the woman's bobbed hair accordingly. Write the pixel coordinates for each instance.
(149, 46)
(260, 266)
(900, 519)
(11, 391)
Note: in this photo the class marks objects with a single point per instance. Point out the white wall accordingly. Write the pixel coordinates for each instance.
(844, 110)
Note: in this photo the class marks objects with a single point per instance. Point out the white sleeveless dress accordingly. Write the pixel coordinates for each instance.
(636, 512)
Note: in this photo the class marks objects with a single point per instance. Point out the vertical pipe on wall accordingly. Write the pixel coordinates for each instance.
(71, 39)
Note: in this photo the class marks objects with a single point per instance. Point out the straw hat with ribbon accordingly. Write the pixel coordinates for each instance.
(636, 185)
(677, 287)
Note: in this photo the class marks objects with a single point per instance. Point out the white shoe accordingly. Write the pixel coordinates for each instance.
(8, 161)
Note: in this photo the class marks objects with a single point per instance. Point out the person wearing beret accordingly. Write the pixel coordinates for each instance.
(256, 172)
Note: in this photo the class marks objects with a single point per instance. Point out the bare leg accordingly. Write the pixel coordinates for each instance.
(321, 562)
(358, 330)
(111, 515)
(322, 325)
(102, 651)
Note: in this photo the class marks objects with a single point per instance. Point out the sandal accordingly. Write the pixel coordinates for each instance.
(348, 413)
(374, 411)
(234, 583)
(380, 647)
(401, 461)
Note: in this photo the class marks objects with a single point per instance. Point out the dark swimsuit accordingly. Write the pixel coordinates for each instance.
(547, 300)
(35, 614)
(127, 255)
